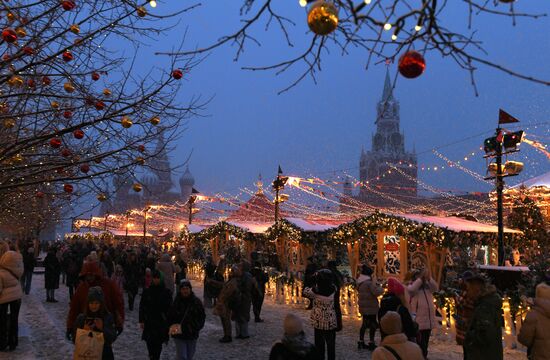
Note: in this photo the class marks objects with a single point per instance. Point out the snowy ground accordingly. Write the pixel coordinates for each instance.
(42, 329)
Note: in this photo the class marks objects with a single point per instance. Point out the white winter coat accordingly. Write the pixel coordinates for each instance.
(11, 269)
(421, 303)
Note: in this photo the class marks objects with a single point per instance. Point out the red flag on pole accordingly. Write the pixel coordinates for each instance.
(505, 118)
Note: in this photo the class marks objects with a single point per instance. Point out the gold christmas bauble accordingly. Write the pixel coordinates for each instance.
(68, 87)
(136, 187)
(16, 81)
(126, 122)
(101, 197)
(140, 160)
(18, 158)
(11, 17)
(322, 18)
(141, 11)
(9, 123)
(107, 92)
(75, 29)
(155, 120)
(21, 32)
(55, 104)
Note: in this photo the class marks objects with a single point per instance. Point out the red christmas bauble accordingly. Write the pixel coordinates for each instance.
(31, 83)
(55, 143)
(95, 76)
(141, 148)
(46, 80)
(85, 168)
(67, 114)
(9, 35)
(97, 160)
(411, 64)
(68, 188)
(68, 5)
(67, 56)
(100, 105)
(28, 50)
(90, 101)
(60, 170)
(6, 57)
(39, 194)
(66, 152)
(177, 74)
(78, 134)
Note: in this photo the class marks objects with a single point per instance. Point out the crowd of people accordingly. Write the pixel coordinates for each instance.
(403, 312)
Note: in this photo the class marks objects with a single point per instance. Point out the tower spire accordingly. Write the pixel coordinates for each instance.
(388, 88)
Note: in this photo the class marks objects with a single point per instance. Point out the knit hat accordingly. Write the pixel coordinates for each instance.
(542, 291)
(95, 294)
(185, 283)
(292, 325)
(391, 323)
(395, 287)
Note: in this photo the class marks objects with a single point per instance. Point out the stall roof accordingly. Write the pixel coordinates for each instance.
(455, 223)
(538, 181)
(253, 227)
(315, 225)
(114, 232)
(194, 228)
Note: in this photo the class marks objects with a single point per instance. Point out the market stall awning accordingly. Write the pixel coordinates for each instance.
(253, 227)
(314, 225)
(114, 232)
(456, 224)
(194, 228)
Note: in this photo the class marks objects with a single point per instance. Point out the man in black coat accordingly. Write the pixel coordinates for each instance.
(261, 278)
(241, 315)
(29, 262)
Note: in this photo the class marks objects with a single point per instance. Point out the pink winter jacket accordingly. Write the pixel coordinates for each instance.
(421, 303)
(11, 269)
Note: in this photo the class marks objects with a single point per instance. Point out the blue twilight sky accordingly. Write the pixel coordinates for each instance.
(319, 129)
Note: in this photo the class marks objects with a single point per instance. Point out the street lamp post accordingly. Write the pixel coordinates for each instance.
(192, 199)
(127, 224)
(278, 185)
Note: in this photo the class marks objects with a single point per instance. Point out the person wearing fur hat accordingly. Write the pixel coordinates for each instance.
(368, 293)
(187, 311)
(294, 344)
(52, 270)
(325, 312)
(96, 317)
(11, 270)
(483, 338)
(395, 345)
(167, 267)
(153, 315)
(535, 331)
(394, 300)
(92, 275)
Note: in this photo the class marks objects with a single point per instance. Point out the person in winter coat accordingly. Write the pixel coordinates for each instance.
(209, 270)
(132, 274)
(52, 271)
(167, 267)
(118, 277)
(368, 292)
(394, 300)
(325, 312)
(97, 318)
(241, 314)
(11, 270)
(148, 278)
(421, 304)
(187, 311)
(29, 262)
(228, 301)
(395, 345)
(464, 309)
(72, 266)
(535, 331)
(261, 278)
(153, 315)
(484, 336)
(294, 344)
(91, 276)
(181, 266)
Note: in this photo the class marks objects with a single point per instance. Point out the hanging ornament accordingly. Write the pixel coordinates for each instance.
(21, 32)
(27, 50)
(55, 104)
(322, 18)
(126, 122)
(55, 143)
(99, 105)
(68, 188)
(75, 29)
(46, 80)
(136, 187)
(411, 64)
(140, 160)
(155, 120)
(78, 134)
(85, 168)
(18, 158)
(6, 58)
(177, 74)
(67, 114)
(107, 92)
(141, 148)
(16, 81)
(68, 5)
(97, 160)
(9, 35)
(66, 152)
(9, 123)
(68, 87)
(101, 197)
(78, 41)
(31, 84)
(67, 56)
(11, 17)
(141, 11)
(39, 194)
(95, 76)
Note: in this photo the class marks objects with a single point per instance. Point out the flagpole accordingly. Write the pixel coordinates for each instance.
(500, 187)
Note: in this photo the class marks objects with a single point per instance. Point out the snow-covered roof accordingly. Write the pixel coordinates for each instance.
(312, 225)
(194, 228)
(455, 223)
(541, 180)
(253, 227)
(114, 232)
